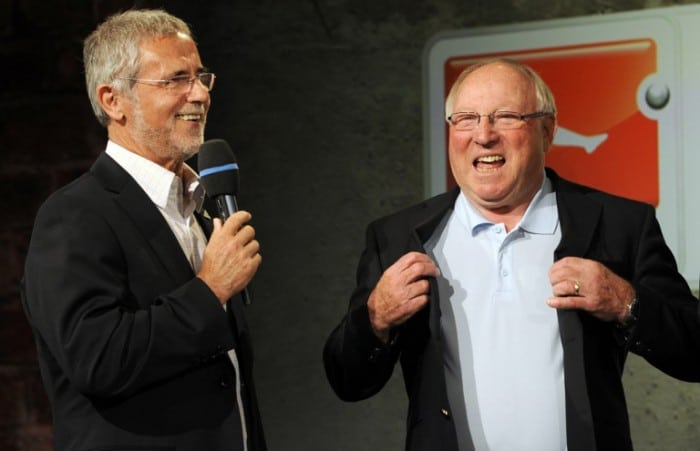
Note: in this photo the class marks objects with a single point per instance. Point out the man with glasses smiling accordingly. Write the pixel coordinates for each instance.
(512, 301)
(133, 294)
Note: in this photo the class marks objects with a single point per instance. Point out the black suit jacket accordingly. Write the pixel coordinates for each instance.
(132, 346)
(623, 235)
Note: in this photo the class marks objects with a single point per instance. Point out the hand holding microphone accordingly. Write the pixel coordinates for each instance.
(231, 257)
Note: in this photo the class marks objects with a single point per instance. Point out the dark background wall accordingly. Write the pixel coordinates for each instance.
(321, 101)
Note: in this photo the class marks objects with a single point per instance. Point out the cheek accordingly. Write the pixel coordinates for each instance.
(459, 164)
(458, 144)
(458, 152)
(163, 108)
(532, 159)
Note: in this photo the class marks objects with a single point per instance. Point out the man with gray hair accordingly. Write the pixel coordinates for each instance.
(133, 294)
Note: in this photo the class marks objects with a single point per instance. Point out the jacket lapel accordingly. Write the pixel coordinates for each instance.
(578, 217)
(424, 227)
(144, 216)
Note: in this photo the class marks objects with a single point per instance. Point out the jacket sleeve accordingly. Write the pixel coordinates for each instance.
(667, 330)
(357, 363)
(102, 334)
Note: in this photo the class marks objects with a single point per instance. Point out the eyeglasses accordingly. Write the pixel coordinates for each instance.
(180, 84)
(500, 120)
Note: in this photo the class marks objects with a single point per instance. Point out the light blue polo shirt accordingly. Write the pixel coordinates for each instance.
(503, 356)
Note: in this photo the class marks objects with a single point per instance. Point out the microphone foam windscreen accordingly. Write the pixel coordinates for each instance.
(218, 170)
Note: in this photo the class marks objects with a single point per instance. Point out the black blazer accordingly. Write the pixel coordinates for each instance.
(132, 346)
(622, 234)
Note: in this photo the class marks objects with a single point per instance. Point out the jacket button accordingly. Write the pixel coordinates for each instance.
(445, 413)
(374, 355)
(223, 383)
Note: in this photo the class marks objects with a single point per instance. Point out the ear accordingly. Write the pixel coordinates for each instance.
(111, 102)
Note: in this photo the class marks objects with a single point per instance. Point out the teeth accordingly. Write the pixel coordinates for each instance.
(490, 159)
(189, 117)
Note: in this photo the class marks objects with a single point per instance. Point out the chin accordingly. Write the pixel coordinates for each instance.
(188, 148)
(190, 152)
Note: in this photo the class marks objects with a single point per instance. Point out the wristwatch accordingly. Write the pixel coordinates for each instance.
(632, 310)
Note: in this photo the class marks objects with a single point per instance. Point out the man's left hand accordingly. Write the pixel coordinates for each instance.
(579, 283)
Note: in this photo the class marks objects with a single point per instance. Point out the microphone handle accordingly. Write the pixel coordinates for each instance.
(227, 205)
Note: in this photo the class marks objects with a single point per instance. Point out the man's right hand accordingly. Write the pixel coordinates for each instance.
(401, 292)
(231, 257)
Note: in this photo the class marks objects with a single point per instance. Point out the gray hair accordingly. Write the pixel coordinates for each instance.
(112, 50)
(544, 96)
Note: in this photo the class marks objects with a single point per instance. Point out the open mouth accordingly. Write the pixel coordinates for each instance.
(488, 163)
(192, 117)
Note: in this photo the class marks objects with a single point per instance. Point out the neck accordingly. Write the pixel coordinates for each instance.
(173, 165)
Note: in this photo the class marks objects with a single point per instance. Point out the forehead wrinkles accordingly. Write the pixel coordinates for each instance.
(169, 54)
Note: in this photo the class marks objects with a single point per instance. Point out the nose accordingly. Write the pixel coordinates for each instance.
(198, 93)
(484, 132)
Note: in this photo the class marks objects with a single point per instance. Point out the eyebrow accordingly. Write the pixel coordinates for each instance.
(183, 72)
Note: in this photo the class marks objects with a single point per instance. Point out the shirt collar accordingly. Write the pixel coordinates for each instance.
(194, 190)
(158, 182)
(541, 216)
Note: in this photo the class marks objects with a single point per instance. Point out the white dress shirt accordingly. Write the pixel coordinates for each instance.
(176, 199)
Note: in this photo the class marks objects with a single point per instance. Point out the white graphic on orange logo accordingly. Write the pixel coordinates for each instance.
(566, 137)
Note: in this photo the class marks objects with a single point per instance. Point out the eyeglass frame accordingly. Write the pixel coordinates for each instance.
(492, 118)
(163, 82)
